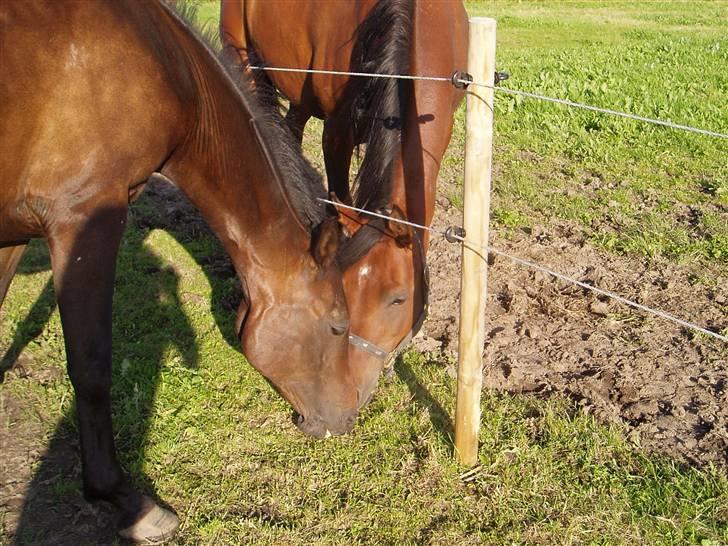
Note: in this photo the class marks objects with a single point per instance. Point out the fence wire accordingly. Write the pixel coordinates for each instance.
(499, 89)
(485, 249)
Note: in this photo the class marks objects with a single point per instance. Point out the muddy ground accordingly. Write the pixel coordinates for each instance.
(666, 386)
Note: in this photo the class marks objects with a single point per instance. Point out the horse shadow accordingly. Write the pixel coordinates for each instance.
(35, 260)
(440, 419)
(53, 508)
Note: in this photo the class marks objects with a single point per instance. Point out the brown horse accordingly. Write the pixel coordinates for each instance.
(405, 126)
(94, 98)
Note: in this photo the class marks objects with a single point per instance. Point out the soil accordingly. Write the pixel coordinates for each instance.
(667, 386)
(664, 385)
(40, 480)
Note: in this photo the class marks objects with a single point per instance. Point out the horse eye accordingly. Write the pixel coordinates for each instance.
(338, 330)
(399, 300)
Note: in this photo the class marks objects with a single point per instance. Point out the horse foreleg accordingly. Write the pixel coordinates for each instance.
(84, 263)
(296, 118)
(338, 145)
(9, 260)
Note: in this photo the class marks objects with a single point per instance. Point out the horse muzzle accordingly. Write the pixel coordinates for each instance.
(319, 428)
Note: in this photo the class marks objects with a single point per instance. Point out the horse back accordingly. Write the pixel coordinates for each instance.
(316, 35)
(86, 104)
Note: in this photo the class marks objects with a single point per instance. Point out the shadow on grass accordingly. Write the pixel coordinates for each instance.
(147, 320)
(439, 417)
(30, 329)
(35, 260)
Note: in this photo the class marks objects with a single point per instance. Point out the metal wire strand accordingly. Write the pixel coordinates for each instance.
(499, 89)
(573, 104)
(359, 74)
(538, 267)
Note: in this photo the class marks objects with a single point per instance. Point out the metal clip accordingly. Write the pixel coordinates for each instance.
(461, 80)
(454, 234)
(500, 77)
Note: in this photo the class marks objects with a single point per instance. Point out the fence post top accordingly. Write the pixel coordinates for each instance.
(481, 20)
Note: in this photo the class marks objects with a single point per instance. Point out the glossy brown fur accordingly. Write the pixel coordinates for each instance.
(320, 35)
(94, 98)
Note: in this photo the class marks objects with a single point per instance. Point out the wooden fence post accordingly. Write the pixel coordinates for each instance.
(476, 199)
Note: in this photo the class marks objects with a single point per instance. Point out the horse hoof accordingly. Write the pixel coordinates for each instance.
(154, 527)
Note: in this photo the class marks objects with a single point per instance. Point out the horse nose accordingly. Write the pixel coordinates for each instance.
(366, 392)
(312, 426)
(318, 428)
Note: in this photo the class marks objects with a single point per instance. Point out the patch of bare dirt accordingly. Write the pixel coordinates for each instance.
(40, 475)
(667, 386)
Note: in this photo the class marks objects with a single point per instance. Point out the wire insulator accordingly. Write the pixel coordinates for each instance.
(460, 79)
(454, 234)
(500, 77)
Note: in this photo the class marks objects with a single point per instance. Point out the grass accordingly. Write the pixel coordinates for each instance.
(610, 176)
(194, 419)
(197, 422)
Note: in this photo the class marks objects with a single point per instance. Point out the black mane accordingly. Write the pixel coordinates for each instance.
(377, 109)
(377, 106)
(353, 249)
(302, 184)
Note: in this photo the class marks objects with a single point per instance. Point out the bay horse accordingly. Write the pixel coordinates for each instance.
(405, 126)
(96, 97)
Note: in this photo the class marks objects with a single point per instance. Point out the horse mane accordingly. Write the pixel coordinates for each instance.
(377, 106)
(302, 184)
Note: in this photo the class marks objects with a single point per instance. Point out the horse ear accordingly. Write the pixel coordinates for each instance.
(325, 242)
(348, 219)
(402, 233)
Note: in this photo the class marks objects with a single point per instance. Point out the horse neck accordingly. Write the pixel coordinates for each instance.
(222, 170)
(430, 108)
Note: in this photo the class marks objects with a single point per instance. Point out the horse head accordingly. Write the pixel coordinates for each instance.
(386, 290)
(296, 335)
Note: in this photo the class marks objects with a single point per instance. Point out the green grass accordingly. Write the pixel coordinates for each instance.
(208, 11)
(218, 443)
(197, 422)
(612, 176)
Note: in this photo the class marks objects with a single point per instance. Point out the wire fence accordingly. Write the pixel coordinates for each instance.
(450, 235)
(489, 249)
(465, 82)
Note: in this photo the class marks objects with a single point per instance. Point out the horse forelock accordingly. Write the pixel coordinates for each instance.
(356, 247)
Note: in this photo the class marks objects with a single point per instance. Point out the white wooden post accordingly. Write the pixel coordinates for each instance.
(476, 199)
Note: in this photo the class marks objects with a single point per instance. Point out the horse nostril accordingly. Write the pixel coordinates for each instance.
(350, 421)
